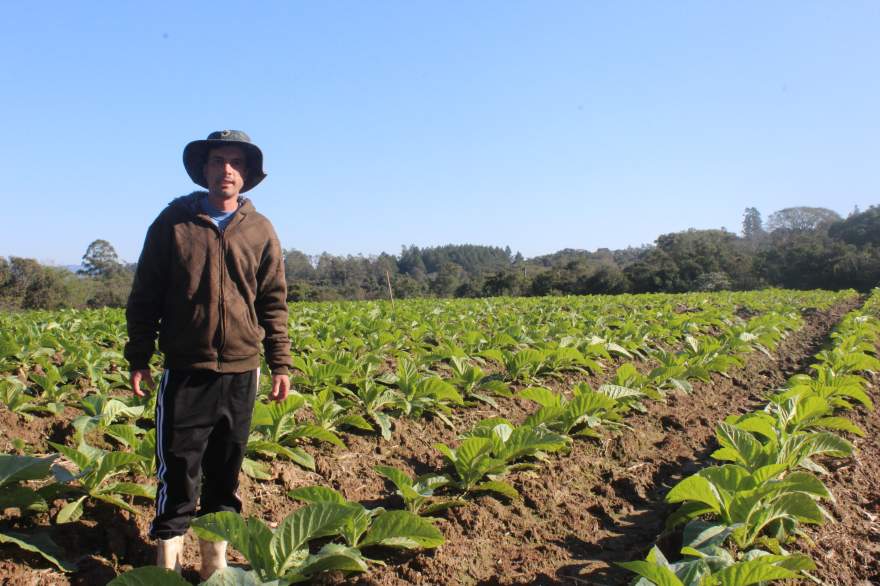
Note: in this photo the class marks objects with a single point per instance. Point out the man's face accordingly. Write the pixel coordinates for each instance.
(225, 171)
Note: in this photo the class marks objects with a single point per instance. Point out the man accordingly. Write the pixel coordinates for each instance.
(210, 282)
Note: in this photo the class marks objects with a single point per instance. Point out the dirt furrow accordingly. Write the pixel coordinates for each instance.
(602, 502)
(847, 551)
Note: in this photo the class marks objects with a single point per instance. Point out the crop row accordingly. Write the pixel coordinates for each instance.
(739, 517)
(361, 366)
(495, 446)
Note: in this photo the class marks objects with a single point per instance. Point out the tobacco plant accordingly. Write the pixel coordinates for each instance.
(713, 566)
(750, 503)
(15, 396)
(375, 527)
(331, 414)
(15, 470)
(417, 394)
(102, 411)
(418, 493)
(95, 479)
(474, 383)
(490, 450)
(586, 411)
(283, 556)
(372, 400)
(275, 431)
(740, 444)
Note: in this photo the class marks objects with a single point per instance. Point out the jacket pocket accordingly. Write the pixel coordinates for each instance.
(243, 335)
(188, 331)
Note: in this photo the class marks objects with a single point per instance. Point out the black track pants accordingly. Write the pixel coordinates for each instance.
(202, 423)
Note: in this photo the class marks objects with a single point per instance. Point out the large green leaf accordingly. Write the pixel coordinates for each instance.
(402, 529)
(111, 463)
(469, 451)
(232, 576)
(439, 389)
(250, 537)
(130, 488)
(738, 445)
(126, 433)
(222, 526)
(619, 392)
(700, 534)
(316, 432)
(81, 460)
(795, 506)
(356, 421)
(587, 400)
(293, 453)
(811, 407)
(828, 444)
(71, 511)
(400, 479)
(332, 557)
(768, 472)
(839, 424)
(115, 501)
(695, 488)
(729, 479)
(689, 510)
(317, 494)
(383, 420)
(149, 576)
(301, 526)
(447, 452)
(493, 354)
(796, 562)
(426, 484)
(551, 416)
(19, 468)
(495, 386)
(255, 469)
(540, 395)
(525, 440)
(807, 482)
(752, 572)
(760, 423)
(39, 543)
(657, 574)
(22, 498)
(498, 486)
(261, 417)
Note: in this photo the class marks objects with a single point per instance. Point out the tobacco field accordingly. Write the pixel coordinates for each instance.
(671, 439)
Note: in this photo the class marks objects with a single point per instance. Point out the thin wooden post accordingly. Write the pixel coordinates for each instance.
(390, 293)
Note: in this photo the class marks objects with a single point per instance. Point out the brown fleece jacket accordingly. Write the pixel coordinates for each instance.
(212, 296)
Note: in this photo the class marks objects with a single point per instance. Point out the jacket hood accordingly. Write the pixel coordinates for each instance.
(190, 203)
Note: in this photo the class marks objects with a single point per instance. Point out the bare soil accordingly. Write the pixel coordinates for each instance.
(581, 511)
(847, 551)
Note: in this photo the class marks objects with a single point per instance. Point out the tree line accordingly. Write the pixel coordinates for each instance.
(796, 248)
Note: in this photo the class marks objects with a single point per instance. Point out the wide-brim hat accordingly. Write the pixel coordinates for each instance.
(195, 154)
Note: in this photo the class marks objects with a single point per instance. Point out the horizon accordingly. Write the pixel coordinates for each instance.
(314, 256)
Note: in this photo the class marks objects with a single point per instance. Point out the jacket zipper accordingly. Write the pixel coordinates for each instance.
(222, 243)
(222, 299)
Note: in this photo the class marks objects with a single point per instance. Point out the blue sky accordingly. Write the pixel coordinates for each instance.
(538, 125)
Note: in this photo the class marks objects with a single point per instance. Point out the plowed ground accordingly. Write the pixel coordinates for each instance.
(601, 502)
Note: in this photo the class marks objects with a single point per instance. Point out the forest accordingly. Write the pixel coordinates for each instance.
(795, 248)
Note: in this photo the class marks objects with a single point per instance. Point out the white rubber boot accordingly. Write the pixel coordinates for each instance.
(169, 552)
(213, 555)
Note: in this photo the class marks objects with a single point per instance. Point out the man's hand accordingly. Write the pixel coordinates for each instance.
(141, 376)
(280, 387)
